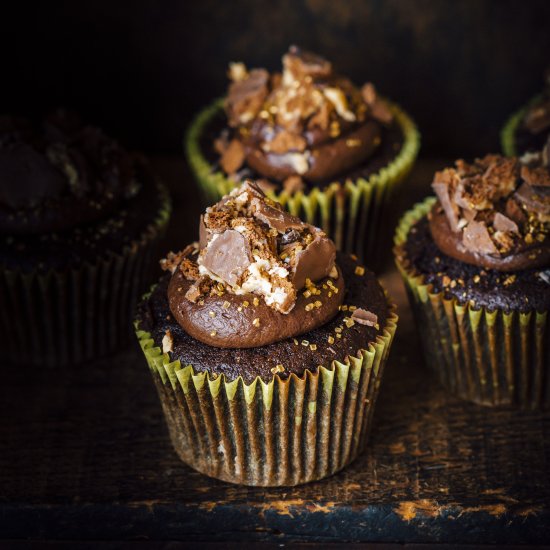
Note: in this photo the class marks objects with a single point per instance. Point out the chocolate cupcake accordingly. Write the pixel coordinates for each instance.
(527, 131)
(79, 218)
(476, 264)
(267, 347)
(328, 151)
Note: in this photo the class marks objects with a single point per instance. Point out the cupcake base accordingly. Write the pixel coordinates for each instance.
(353, 213)
(490, 357)
(281, 433)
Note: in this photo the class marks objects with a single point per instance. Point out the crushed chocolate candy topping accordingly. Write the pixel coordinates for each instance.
(364, 317)
(503, 223)
(492, 212)
(378, 107)
(299, 64)
(233, 156)
(174, 259)
(538, 176)
(250, 245)
(302, 121)
(246, 97)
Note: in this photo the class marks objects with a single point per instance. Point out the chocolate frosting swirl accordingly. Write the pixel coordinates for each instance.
(59, 174)
(258, 275)
(493, 213)
(306, 122)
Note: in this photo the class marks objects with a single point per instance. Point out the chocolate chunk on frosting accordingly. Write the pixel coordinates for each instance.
(308, 122)
(257, 275)
(494, 212)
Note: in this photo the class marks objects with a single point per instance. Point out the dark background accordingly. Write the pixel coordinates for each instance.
(141, 69)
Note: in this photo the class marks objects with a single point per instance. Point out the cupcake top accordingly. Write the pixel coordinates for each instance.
(494, 213)
(307, 123)
(59, 174)
(251, 279)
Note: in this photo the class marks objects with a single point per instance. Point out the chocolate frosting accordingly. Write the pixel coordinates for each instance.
(59, 174)
(233, 321)
(307, 122)
(257, 276)
(493, 213)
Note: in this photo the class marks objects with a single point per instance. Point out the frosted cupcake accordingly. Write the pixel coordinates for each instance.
(267, 346)
(476, 263)
(80, 218)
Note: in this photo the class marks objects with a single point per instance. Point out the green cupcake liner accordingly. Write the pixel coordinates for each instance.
(508, 133)
(355, 214)
(490, 357)
(58, 318)
(279, 433)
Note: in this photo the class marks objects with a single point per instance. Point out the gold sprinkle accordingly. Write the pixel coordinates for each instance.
(338, 329)
(353, 142)
(245, 304)
(305, 343)
(226, 304)
(359, 270)
(330, 294)
(240, 308)
(318, 303)
(353, 257)
(309, 307)
(201, 302)
(330, 340)
(213, 333)
(256, 302)
(344, 308)
(295, 341)
(212, 314)
(338, 335)
(180, 288)
(277, 368)
(312, 347)
(220, 287)
(477, 278)
(349, 322)
(256, 322)
(529, 238)
(307, 294)
(352, 308)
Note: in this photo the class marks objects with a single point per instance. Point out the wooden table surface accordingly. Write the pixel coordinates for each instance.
(85, 454)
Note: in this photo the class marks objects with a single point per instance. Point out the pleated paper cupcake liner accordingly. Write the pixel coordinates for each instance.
(58, 318)
(508, 133)
(280, 433)
(355, 214)
(490, 357)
